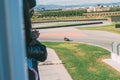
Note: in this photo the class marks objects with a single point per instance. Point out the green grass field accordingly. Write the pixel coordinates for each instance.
(109, 28)
(84, 62)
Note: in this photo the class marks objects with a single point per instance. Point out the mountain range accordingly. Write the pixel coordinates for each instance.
(49, 7)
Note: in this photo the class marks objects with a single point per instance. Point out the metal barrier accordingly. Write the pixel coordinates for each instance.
(116, 48)
(115, 55)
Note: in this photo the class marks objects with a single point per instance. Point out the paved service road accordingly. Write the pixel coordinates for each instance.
(100, 38)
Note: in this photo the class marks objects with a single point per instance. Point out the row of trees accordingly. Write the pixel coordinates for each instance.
(67, 13)
(61, 13)
(117, 8)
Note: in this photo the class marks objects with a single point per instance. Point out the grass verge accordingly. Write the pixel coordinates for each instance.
(59, 24)
(109, 28)
(84, 62)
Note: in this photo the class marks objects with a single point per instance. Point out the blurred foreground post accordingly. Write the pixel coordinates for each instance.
(12, 46)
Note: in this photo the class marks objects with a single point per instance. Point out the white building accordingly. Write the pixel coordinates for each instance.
(97, 9)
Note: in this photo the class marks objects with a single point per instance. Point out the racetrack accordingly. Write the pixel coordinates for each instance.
(99, 38)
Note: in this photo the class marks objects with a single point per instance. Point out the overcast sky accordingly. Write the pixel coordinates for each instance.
(74, 2)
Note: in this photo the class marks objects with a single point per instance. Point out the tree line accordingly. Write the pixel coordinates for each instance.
(117, 8)
(67, 13)
(61, 13)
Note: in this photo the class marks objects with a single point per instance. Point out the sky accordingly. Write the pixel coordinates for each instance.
(73, 2)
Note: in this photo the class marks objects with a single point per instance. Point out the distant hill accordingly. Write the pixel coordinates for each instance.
(47, 7)
(108, 4)
(72, 6)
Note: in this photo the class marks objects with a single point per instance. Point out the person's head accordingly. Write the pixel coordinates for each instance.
(31, 4)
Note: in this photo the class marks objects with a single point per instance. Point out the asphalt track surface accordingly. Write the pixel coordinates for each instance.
(97, 38)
